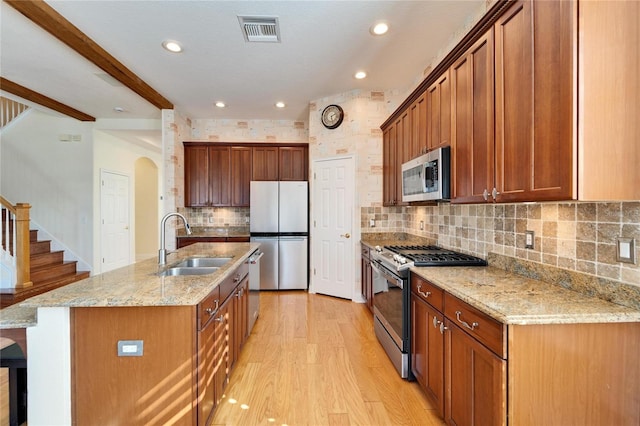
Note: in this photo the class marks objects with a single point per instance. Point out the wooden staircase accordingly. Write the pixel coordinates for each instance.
(48, 269)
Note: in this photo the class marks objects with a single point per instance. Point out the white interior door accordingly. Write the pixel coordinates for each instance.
(332, 205)
(114, 205)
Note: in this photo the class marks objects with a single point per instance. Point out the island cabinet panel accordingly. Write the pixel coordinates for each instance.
(265, 163)
(241, 158)
(366, 276)
(578, 374)
(158, 387)
(534, 101)
(473, 114)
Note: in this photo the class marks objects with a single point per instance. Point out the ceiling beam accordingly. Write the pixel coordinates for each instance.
(37, 98)
(57, 25)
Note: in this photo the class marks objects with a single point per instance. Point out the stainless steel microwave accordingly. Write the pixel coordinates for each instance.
(427, 178)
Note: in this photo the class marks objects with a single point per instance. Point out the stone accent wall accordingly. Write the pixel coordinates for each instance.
(577, 236)
(268, 131)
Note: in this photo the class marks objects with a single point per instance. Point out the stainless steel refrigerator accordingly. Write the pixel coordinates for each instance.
(280, 223)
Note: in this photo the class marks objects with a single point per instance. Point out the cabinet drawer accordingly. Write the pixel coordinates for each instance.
(428, 292)
(488, 331)
(228, 285)
(208, 307)
(365, 251)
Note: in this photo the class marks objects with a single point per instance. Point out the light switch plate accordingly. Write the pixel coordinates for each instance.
(130, 347)
(529, 237)
(626, 250)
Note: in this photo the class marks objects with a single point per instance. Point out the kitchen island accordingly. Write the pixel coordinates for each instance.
(132, 346)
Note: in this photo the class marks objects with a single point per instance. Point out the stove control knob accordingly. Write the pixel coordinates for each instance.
(402, 260)
(378, 249)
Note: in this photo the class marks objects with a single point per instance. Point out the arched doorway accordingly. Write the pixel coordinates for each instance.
(146, 207)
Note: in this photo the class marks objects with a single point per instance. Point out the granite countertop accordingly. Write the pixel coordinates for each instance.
(215, 231)
(136, 285)
(512, 298)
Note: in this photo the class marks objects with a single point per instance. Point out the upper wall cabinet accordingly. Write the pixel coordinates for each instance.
(534, 102)
(438, 99)
(531, 156)
(609, 100)
(472, 118)
(219, 175)
(280, 163)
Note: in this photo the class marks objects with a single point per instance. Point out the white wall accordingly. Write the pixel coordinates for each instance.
(54, 177)
(113, 154)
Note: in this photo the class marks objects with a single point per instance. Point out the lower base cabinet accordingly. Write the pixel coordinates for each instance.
(475, 379)
(551, 374)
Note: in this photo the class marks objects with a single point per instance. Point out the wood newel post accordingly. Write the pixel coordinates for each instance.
(23, 261)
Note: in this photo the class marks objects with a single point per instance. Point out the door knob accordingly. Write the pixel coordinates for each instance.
(347, 235)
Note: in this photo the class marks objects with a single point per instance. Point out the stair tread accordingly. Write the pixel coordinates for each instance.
(53, 266)
(18, 295)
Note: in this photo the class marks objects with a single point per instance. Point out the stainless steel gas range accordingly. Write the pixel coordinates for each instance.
(391, 305)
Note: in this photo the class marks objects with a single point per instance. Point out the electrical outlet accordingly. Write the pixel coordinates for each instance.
(422, 225)
(130, 347)
(372, 223)
(626, 250)
(529, 238)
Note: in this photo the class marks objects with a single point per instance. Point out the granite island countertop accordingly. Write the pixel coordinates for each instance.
(512, 298)
(137, 284)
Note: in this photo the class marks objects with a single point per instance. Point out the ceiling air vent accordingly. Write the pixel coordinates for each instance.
(260, 28)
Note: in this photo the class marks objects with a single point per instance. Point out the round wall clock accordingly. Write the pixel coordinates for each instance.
(332, 116)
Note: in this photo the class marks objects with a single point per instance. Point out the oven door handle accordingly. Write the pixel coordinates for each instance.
(385, 274)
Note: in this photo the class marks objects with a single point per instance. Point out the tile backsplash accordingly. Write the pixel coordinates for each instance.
(577, 236)
(216, 216)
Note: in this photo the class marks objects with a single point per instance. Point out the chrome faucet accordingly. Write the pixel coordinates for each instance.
(162, 253)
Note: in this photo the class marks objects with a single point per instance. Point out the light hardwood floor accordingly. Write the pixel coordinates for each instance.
(315, 360)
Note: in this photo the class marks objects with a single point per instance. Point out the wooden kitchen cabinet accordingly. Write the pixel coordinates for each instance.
(293, 163)
(219, 176)
(196, 176)
(534, 91)
(427, 340)
(222, 348)
(438, 101)
(608, 100)
(207, 175)
(390, 172)
(472, 117)
(476, 381)
(366, 276)
(241, 159)
(418, 118)
(207, 311)
(265, 163)
(240, 318)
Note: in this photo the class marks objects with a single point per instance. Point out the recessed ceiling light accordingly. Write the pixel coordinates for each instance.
(379, 28)
(280, 104)
(360, 75)
(118, 109)
(220, 104)
(172, 46)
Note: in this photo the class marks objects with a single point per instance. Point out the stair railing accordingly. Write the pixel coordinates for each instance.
(14, 234)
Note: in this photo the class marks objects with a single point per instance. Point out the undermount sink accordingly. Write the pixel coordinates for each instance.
(188, 270)
(206, 262)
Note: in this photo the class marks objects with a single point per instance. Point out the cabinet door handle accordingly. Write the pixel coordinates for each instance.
(237, 279)
(436, 322)
(442, 327)
(466, 324)
(425, 295)
(495, 193)
(212, 311)
(485, 195)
